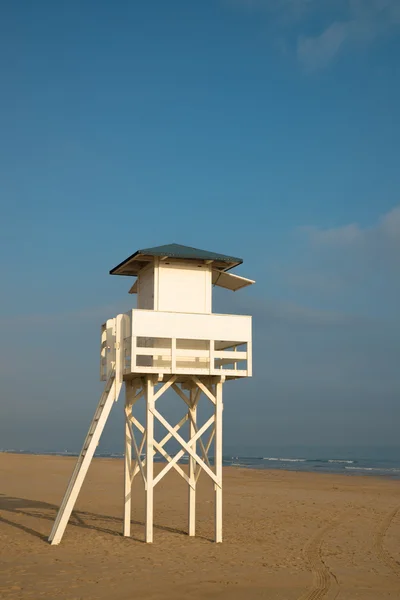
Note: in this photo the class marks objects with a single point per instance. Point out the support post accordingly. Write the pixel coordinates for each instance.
(128, 466)
(218, 461)
(149, 458)
(192, 464)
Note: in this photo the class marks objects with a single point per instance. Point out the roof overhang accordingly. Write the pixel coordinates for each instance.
(140, 259)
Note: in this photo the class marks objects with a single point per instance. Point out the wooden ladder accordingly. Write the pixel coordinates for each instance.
(108, 397)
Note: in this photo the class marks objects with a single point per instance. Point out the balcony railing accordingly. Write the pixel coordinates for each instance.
(181, 343)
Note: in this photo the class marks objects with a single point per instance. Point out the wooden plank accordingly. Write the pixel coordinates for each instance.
(230, 281)
(136, 467)
(207, 447)
(249, 359)
(218, 463)
(172, 464)
(153, 351)
(230, 372)
(181, 394)
(164, 324)
(119, 352)
(174, 460)
(166, 438)
(193, 426)
(127, 470)
(138, 396)
(204, 389)
(184, 445)
(149, 458)
(192, 465)
(173, 355)
(133, 350)
(212, 355)
(111, 392)
(232, 355)
(192, 353)
(158, 445)
(164, 388)
(137, 454)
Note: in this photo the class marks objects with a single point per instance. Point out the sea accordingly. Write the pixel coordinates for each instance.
(381, 462)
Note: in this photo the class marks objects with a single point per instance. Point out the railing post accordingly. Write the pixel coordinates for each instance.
(173, 355)
(212, 357)
(133, 353)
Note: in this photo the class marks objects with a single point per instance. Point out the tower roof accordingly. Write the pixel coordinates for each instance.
(138, 260)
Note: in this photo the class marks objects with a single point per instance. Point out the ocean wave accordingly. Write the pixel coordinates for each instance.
(285, 459)
(334, 460)
(379, 469)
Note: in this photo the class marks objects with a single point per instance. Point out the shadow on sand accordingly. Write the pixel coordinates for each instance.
(79, 518)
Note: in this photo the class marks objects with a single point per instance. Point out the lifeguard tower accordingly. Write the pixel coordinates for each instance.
(172, 340)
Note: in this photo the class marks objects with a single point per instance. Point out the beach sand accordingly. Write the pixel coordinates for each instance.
(287, 536)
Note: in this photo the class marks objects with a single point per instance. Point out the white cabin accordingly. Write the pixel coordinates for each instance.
(173, 329)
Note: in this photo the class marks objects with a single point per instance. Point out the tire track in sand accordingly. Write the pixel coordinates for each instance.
(379, 548)
(324, 580)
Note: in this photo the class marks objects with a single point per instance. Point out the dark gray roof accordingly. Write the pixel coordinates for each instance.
(135, 262)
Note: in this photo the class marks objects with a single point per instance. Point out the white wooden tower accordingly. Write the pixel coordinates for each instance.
(172, 340)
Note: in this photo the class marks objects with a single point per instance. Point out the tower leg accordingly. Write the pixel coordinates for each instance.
(192, 465)
(149, 458)
(218, 461)
(128, 467)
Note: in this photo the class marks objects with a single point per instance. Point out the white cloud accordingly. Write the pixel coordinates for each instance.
(383, 234)
(316, 52)
(353, 263)
(366, 20)
(341, 23)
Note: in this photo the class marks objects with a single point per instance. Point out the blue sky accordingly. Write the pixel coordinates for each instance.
(267, 129)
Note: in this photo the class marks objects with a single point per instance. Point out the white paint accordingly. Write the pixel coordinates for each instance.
(218, 462)
(184, 287)
(184, 343)
(194, 396)
(149, 458)
(191, 326)
(145, 288)
(230, 281)
(181, 336)
(111, 391)
(127, 467)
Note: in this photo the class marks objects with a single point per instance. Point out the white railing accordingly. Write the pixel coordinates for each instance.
(185, 343)
(166, 342)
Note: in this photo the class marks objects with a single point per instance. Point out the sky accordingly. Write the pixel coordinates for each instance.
(266, 129)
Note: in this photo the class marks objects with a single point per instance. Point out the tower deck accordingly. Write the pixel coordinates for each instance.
(157, 342)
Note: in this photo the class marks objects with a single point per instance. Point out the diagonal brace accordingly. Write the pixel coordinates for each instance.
(210, 439)
(137, 452)
(203, 450)
(186, 446)
(159, 447)
(204, 389)
(164, 388)
(174, 460)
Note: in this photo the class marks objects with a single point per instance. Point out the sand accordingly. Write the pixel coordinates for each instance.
(287, 536)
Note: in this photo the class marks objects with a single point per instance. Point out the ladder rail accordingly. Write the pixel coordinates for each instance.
(108, 397)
